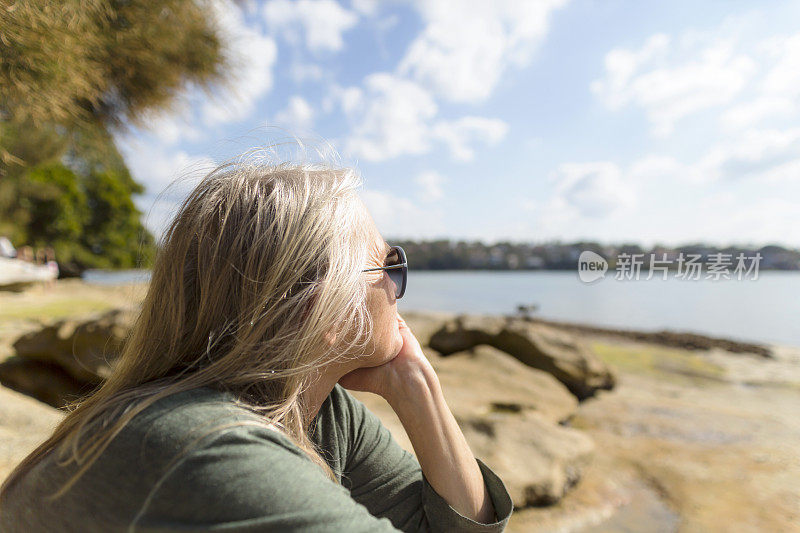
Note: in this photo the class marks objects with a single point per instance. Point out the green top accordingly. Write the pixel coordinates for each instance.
(191, 462)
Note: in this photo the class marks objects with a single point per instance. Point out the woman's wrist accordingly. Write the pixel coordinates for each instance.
(447, 462)
(411, 382)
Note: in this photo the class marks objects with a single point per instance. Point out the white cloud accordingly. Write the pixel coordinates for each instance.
(747, 114)
(175, 126)
(298, 115)
(322, 22)
(594, 189)
(254, 56)
(778, 88)
(393, 119)
(168, 175)
(430, 186)
(399, 217)
(467, 46)
(394, 116)
(783, 78)
(660, 168)
(761, 220)
(761, 155)
(749, 88)
(458, 134)
(669, 81)
(367, 7)
(303, 72)
(746, 81)
(156, 166)
(349, 99)
(459, 56)
(764, 156)
(622, 65)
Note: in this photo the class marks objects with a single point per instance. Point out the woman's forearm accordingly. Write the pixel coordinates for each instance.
(440, 446)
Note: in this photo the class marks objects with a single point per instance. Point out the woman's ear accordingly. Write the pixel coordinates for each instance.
(330, 337)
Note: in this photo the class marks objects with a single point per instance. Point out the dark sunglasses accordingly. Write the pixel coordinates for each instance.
(396, 268)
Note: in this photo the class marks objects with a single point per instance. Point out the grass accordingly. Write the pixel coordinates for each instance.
(656, 360)
(56, 309)
(66, 299)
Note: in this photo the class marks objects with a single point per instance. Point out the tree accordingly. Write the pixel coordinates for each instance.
(72, 73)
(52, 207)
(114, 220)
(90, 221)
(111, 61)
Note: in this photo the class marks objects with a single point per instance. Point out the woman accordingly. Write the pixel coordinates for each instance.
(271, 292)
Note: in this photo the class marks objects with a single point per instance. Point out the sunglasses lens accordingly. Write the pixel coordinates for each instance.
(392, 258)
(395, 274)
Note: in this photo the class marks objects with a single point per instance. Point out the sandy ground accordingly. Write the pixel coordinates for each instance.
(689, 441)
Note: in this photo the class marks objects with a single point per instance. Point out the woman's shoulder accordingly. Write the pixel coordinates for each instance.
(341, 403)
(200, 427)
(204, 412)
(195, 416)
(341, 412)
(340, 426)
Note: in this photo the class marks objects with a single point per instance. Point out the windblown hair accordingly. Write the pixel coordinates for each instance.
(258, 268)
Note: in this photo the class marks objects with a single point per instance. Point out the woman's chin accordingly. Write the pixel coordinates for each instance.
(380, 359)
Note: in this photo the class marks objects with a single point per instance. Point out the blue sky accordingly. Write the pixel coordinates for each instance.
(616, 121)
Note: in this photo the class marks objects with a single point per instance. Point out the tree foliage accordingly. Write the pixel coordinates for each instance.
(103, 60)
(73, 73)
(90, 220)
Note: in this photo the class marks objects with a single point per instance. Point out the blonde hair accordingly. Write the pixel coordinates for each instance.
(261, 264)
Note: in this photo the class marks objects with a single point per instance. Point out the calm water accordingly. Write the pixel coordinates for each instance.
(767, 309)
(764, 310)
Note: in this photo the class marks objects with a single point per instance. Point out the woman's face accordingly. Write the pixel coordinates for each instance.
(385, 341)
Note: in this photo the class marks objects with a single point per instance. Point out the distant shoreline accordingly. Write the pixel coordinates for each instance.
(67, 291)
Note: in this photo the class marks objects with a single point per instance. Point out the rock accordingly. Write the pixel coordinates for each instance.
(425, 323)
(487, 380)
(45, 381)
(538, 461)
(83, 347)
(24, 424)
(509, 413)
(558, 353)
(509, 410)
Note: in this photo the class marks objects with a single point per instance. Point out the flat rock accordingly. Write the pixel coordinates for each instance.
(84, 347)
(537, 460)
(563, 355)
(24, 424)
(486, 380)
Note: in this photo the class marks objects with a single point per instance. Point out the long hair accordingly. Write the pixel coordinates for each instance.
(258, 270)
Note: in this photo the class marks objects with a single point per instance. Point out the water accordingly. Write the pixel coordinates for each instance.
(116, 277)
(764, 310)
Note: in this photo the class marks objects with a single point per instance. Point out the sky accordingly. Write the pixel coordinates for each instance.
(528, 121)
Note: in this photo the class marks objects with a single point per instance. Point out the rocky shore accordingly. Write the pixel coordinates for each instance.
(592, 430)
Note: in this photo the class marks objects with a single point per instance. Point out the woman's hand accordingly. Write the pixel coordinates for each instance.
(392, 379)
(410, 386)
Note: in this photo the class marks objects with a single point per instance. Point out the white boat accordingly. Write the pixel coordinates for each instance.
(15, 274)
